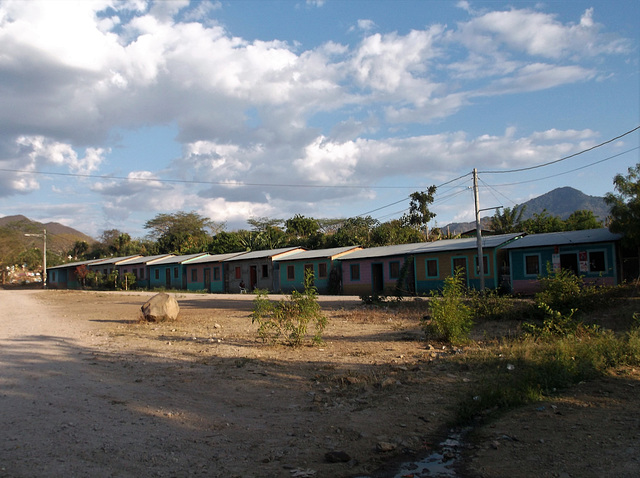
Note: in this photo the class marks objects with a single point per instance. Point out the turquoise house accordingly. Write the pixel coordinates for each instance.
(64, 276)
(171, 272)
(324, 263)
(208, 273)
(139, 267)
(435, 261)
(592, 254)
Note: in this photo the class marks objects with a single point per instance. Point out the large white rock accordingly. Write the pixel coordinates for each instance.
(161, 307)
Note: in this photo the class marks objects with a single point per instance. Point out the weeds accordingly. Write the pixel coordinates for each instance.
(450, 319)
(287, 320)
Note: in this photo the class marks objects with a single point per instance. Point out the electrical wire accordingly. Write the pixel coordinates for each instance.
(561, 159)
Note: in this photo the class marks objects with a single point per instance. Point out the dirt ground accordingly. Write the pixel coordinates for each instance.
(86, 389)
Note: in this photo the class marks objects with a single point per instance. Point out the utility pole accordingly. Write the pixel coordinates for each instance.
(44, 256)
(478, 230)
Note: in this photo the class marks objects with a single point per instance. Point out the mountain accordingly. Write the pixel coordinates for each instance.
(559, 202)
(60, 238)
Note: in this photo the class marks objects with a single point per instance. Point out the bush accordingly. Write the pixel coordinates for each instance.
(561, 290)
(287, 320)
(450, 319)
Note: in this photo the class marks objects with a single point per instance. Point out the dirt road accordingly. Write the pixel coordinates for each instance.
(85, 390)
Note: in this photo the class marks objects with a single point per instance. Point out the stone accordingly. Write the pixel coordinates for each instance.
(161, 307)
(337, 457)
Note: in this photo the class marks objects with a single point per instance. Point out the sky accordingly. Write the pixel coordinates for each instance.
(112, 112)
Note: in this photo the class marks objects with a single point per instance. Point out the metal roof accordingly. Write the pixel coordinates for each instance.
(384, 251)
(271, 253)
(322, 253)
(431, 247)
(563, 238)
(73, 264)
(215, 258)
(178, 259)
(145, 259)
(114, 260)
(445, 245)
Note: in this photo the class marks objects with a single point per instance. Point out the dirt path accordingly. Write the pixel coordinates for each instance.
(85, 390)
(88, 391)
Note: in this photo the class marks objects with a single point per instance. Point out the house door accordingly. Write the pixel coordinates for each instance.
(167, 277)
(207, 280)
(461, 263)
(377, 278)
(253, 271)
(569, 262)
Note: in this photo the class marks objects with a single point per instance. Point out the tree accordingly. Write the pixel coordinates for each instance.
(508, 221)
(355, 231)
(181, 232)
(625, 207)
(81, 274)
(581, 220)
(419, 214)
(301, 227)
(394, 232)
(79, 248)
(268, 234)
(543, 222)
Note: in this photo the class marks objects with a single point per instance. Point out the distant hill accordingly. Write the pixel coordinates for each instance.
(60, 238)
(559, 202)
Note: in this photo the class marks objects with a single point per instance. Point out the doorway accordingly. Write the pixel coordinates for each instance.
(207, 280)
(377, 278)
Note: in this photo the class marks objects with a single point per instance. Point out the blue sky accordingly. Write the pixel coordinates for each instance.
(112, 112)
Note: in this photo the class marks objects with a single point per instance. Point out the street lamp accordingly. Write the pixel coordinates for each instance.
(44, 256)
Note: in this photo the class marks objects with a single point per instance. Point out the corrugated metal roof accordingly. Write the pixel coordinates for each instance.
(466, 243)
(178, 259)
(431, 247)
(145, 259)
(114, 260)
(215, 258)
(321, 253)
(563, 238)
(73, 264)
(383, 251)
(263, 254)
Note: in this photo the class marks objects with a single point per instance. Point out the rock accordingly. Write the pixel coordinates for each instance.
(161, 307)
(384, 447)
(337, 457)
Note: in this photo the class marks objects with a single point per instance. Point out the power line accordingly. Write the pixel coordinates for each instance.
(561, 159)
(209, 183)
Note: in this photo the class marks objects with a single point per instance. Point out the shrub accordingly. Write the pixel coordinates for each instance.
(450, 319)
(287, 321)
(561, 290)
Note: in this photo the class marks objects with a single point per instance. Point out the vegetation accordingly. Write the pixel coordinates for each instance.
(450, 318)
(625, 207)
(287, 321)
(552, 353)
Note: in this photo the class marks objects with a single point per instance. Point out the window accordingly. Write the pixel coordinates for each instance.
(432, 267)
(394, 270)
(597, 261)
(157, 274)
(322, 270)
(291, 272)
(53, 276)
(265, 271)
(142, 273)
(175, 272)
(485, 265)
(216, 273)
(135, 273)
(238, 273)
(532, 265)
(354, 269)
(194, 275)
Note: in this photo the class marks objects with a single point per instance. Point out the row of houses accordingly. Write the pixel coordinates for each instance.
(514, 262)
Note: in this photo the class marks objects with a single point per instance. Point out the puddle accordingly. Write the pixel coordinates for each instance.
(439, 464)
